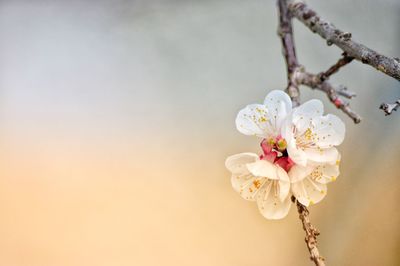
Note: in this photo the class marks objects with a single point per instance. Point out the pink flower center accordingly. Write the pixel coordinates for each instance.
(274, 151)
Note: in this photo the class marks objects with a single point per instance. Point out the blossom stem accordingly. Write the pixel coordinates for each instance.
(311, 234)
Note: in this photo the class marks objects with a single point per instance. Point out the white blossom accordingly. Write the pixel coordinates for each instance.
(265, 120)
(299, 156)
(261, 181)
(309, 183)
(311, 136)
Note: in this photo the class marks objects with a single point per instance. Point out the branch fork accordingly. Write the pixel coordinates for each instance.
(352, 49)
(297, 76)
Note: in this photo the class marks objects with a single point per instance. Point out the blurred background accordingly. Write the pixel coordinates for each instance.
(116, 118)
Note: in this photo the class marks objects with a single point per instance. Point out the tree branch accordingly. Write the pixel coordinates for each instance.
(311, 233)
(335, 68)
(315, 82)
(387, 65)
(296, 76)
(388, 108)
(285, 31)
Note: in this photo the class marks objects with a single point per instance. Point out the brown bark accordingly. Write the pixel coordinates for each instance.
(336, 67)
(311, 234)
(388, 108)
(343, 40)
(315, 82)
(285, 31)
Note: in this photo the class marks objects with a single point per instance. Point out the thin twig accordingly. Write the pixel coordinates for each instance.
(335, 68)
(314, 82)
(389, 66)
(388, 108)
(342, 91)
(311, 234)
(285, 31)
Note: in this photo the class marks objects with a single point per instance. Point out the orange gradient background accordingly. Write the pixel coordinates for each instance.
(116, 118)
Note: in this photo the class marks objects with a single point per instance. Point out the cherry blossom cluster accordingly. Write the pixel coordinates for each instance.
(299, 155)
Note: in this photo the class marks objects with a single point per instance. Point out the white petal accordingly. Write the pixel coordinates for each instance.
(279, 105)
(329, 155)
(295, 154)
(304, 114)
(242, 180)
(263, 168)
(248, 186)
(269, 204)
(329, 130)
(284, 183)
(254, 120)
(237, 163)
(310, 108)
(325, 173)
(276, 97)
(309, 191)
(298, 172)
(287, 127)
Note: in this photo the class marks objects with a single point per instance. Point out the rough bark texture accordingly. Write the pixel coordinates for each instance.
(296, 76)
(285, 31)
(336, 67)
(389, 66)
(311, 234)
(315, 82)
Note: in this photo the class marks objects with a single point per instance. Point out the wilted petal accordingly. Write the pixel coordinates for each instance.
(269, 204)
(309, 191)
